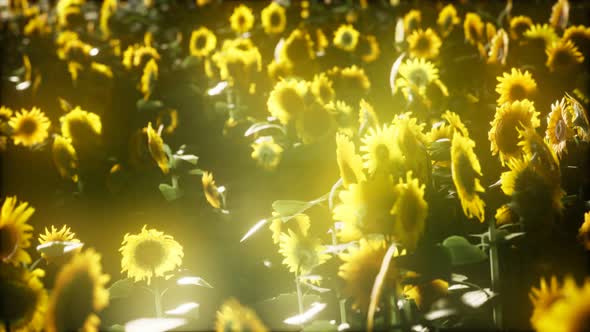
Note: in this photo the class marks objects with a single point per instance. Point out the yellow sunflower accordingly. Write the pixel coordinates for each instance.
(580, 120)
(425, 294)
(107, 10)
(508, 120)
(360, 267)
(299, 224)
(287, 100)
(279, 70)
(368, 48)
(321, 41)
(560, 14)
(169, 119)
(234, 317)
(24, 297)
(559, 126)
(321, 88)
(65, 158)
(409, 212)
(349, 163)
(202, 42)
(63, 234)
(447, 19)
(78, 295)
(543, 35)
(211, 191)
(466, 171)
(498, 48)
(346, 37)
(102, 69)
(579, 35)
(412, 20)
(274, 18)
(519, 25)
(515, 85)
(298, 48)
(266, 152)
(584, 231)
(416, 75)
(302, 253)
(148, 79)
(548, 293)
(365, 208)
(505, 215)
(345, 117)
(473, 28)
(410, 138)
(354, 79)
(29, 127)
(149, 254)
(424, 44)
(15, 232)
(238, 61)
(379, 149)
(78, 124)
(156, 148)
(314, 122)
(569, 314)
(242, 19)
(563, 56)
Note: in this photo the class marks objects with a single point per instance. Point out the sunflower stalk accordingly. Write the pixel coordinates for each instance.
(495, 272)
(299, 293)
(158, 300)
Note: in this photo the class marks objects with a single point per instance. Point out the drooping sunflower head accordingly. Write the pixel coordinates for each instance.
(539, 153)
(580, 36)
(424, 44)
(559, 126)
(25, 295)
(322, 89)
(287, 100)
(541, 35)
(505, 215)
(168, 118)
(80, 126)
(15, 232)
(560, 14)
(447, 19)
(203, 42)
(349, 162)
(242, 19)
(466, 173)
(580, 120)
(409, 212)
(584, 231)
(29, 127)
(302, 253)
(498, 48)
(234, 317)
(148, 79)
(156, 148)
(473, 27)
(298, 48)
(519, 25)
(412, 20)
(353, 80)
(548, 293)
(314, 123)
(416, 74)
(515, 85)
(78, 295)
(211, 190)
(266, 152)
(379, 149)
(299, 224)
(368, 48)
(563, 56)
(410, 138)
(274, 18)
(149, 254)
(508, 120)
(346, 37)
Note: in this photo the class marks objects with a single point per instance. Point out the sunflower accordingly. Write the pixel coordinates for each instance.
(156, 148)
(266, 152)
(349, 163)
(580, 120)
(412, 20)
(78, 124)
(37, 26)
(149, 254)
(367, 116)
(102, 69)
(544, 297)
(563, 56)
(234, 317)
(137, 56)
(416, 75)
(346, 37)
(580, 36)
(78, 295)
(559, 126)
(148, 79)
(15, 232)
(299, 224)
(354, 79)
(560, 14)
(242, 19)
(302, 253)
(279, 70)
(424, 44)
(321, 41)
(515, 85)
(519, 25)
(569, 314)
(426, 293)
(360, 267)
(73, 49)
(274, 18)
(498, 48)
(321, 88)
(505, 215)
(24, 299)
(584, 231)
(508, 120)
(212, 193)
(54, 235)
(368, 48)
(379, 149)
(202, 42)
(410, 138)
(466, 170)
(314, 122)
(65, 158)
(298, 48)
(365, 208)
(29, 127)
(287, 100)
(543, 35)
(447, 19)
(106, 11)
(238, 61)
(473, 28)
(409, 212)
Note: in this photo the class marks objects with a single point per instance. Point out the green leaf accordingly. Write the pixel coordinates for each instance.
(289, 207)
(169, 192)
(121, 289)
(188, 158)
(116, 328)
(462, 252)
(262, 126)
(321, 326)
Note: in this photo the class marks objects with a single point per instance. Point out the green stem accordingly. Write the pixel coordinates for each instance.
(341, 302)
(299, 294)
(157, 300)
(495, 273)
(7, 325)
(35, 263)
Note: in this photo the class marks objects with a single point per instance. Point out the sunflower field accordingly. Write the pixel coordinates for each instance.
(313, 165)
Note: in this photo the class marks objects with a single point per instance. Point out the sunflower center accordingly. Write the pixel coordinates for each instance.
(325, 93)
(201, 42)
(562, 58)
(291, 101)
(346, 39)
(520, 28)
(8, 242)
(275, 19)
(382, 153)
(266, 155)
(316, 121)
(507, 134)
(418, 77)
(423, 44)
(241, 20)
(297, 50)
(474, 32)
(149, 254)
(517, 92)
(28, 126)
(560, 130)
(465, 174)
(348, 173)
(74, 301)
(17, 302)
